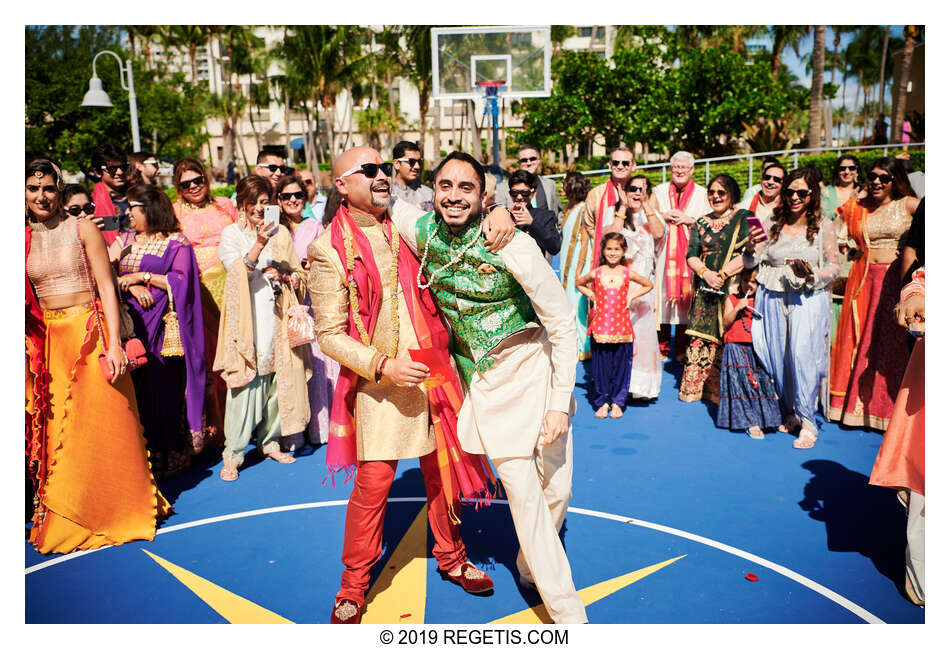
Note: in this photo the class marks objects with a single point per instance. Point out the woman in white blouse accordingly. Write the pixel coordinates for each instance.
(266, 378)
(797, 260)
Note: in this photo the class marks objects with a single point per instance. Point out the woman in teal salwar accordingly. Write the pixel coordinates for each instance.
(575, 187)
(715, 244)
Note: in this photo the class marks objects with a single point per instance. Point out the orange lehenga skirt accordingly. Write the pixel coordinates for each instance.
(94, 484)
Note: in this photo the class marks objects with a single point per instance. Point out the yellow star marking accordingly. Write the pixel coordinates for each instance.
(539, 615)
(401, 586)
(234, 608)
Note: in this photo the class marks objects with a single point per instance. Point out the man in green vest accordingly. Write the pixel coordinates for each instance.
(516, 347)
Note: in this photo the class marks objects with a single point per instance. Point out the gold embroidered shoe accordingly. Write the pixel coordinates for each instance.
(471, 579)
(346, 611)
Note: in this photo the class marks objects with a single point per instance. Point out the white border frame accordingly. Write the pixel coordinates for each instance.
(441, 31)
(491, 57)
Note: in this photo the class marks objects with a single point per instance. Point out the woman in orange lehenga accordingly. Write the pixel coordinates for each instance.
(202, 218)
(869, 354)
(86, 447)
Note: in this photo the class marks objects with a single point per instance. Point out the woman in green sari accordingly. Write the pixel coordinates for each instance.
(575, 188)
(714, 254)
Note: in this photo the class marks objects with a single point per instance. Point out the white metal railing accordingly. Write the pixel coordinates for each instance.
(749, 156)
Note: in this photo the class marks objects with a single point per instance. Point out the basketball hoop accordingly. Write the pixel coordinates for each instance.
(490, 86)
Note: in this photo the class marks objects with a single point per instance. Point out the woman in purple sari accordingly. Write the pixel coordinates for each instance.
(158, 276)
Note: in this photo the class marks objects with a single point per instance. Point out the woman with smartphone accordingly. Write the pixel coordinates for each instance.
(266, 378)
(869, 353)
(76, 374)
(797, 255)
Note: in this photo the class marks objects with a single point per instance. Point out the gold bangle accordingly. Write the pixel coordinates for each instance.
(723, 275)
(702, 270)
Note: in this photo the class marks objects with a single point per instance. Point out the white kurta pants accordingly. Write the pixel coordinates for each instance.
(539, 490)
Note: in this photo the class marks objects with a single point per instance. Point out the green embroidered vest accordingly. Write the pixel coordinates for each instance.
(482, 301)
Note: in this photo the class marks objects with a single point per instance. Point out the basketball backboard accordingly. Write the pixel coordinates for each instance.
(462, 56)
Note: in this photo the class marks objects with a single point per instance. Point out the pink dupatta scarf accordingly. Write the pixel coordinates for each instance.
(465, 475)
(678, 286)
(609, 198)
(104, 207)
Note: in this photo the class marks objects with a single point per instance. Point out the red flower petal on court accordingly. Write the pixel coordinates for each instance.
(751, 577)
(405, 615)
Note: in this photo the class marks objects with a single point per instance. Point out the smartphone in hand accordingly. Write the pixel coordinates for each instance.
(272, 215)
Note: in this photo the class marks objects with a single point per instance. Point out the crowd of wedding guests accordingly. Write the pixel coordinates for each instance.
(193, 314)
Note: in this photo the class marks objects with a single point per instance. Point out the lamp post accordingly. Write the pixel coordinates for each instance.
(97, 97)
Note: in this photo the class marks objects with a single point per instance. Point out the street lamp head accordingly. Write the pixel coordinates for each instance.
(96, 96)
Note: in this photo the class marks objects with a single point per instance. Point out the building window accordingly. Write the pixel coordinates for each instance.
(597, 32)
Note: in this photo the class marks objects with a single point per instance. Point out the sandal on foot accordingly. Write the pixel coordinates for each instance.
(806, 439)
(229, 473)
(755, 432)
(283, 458)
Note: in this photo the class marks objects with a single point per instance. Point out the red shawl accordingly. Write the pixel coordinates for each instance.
(678, 285)
(104, 207)
(607, 199)
(462, 474)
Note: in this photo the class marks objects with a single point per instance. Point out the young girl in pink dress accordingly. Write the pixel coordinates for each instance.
(608, 286)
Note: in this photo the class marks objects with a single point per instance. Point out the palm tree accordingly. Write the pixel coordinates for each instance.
(409, 48)
(885, 37)
(899, 91)
(190, 38)
(782, 37)
(817, 84)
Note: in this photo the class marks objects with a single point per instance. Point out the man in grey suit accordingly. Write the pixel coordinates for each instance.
(529, 159)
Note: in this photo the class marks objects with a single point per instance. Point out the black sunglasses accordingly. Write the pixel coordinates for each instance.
(75, 210)
(847, 168)
(371, 169)
(618, 163)
(776, 179)
(197, 181)
(284, 169)
(634, 189)
(113, 169)
(884, 178)
(523, 194)
(717, 192)
(533, 158)
(308, 181)
(286, 196)
(412, 162)
(801, 193)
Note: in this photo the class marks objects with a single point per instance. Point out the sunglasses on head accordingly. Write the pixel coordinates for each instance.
(533, 158)
(113, 169)
(721, 193)
(620, 163)
(286, 196)
(284, 169)
(847, 168)
(884, 178)
(370, 169)
(197, 181)
(412, 162)
(801, 193)
(76, 210)
(523, 194)
(774, 179)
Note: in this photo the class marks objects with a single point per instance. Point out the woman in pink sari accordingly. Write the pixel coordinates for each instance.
(202, 218)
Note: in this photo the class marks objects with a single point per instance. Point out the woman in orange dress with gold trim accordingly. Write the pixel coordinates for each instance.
(869, 353)
(87, 450)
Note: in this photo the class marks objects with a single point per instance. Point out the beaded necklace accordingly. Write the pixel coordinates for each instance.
(393, 289)
(452, 260)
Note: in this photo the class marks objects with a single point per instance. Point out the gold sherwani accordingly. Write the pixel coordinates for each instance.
(392, 423)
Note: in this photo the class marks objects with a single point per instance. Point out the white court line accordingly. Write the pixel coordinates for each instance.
(765, 563)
